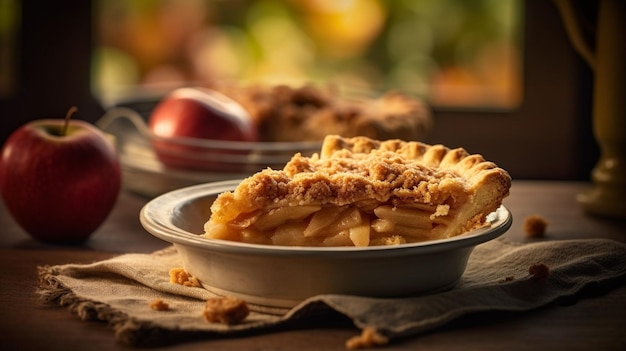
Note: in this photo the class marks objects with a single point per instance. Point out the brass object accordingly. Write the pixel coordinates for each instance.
(608, 61)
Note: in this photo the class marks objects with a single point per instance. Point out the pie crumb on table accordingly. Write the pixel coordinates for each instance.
(535, 226)
(369, 338)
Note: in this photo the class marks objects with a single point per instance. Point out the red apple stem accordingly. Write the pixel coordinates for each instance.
(68, 116)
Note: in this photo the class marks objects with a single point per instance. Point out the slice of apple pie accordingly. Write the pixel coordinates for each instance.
(361, 192)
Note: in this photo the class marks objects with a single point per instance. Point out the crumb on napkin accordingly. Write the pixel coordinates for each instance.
(535, 226)
(225, 310)
(159, 305)
(369, 338)
(507, 279)
(539, 271)
(180, 276)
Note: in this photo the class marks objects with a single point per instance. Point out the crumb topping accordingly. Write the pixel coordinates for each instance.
(357, 169)
(409, 189)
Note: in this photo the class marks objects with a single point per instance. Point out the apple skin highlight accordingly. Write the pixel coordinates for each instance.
(202, 114)
(188, 125)
(59, 189)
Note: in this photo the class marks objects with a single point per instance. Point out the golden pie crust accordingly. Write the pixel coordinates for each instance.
(400, 191)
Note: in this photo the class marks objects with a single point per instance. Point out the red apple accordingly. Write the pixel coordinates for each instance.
(59, 181)
(186, 119)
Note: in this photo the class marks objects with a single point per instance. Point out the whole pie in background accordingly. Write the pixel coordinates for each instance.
(309, 113)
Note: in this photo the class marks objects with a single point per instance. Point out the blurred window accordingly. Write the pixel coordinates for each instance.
(453, 53)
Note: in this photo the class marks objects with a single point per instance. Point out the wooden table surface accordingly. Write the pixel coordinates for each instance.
(591, 323)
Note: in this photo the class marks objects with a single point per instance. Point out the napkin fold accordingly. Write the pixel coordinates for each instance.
(119, 291)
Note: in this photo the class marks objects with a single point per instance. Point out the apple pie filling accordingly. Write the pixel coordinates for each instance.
(362, 192)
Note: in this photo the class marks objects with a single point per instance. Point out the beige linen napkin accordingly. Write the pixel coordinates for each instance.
(119, 291)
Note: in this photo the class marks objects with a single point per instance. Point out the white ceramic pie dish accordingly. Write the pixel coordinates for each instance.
(283, 276)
